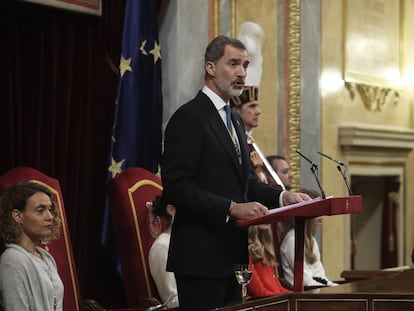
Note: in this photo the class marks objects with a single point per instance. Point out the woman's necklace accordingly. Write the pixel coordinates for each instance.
(51, 280)
(33, 252)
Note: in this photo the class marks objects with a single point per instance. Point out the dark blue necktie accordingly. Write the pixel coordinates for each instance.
(227, 109)
(230, 127)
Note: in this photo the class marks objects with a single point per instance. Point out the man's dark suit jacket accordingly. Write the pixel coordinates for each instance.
(201, 174)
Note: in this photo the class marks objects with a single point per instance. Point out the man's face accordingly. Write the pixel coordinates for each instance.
(229, 72)
(249, 112)
(282, 169)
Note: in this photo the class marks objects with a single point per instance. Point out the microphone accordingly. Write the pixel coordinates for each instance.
(332, 159)
(340, 170)
(314, 170)
(162, 306)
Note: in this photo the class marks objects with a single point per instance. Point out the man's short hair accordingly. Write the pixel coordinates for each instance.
(275, 157)
(215, 49)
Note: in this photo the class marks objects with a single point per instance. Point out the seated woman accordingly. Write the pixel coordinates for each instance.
(157, 257)
(313, 271)
(264, 281)
(29, 279)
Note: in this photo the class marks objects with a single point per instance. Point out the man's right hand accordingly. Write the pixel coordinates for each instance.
(248, 210)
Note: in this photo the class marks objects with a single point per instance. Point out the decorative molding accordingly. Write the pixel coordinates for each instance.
(294, 89)
(378, 151)
(374, 98)
(373, 40)
(390, 141)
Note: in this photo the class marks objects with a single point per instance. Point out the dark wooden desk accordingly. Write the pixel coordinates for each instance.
(394, 292)
(356, 275)
(274, 303)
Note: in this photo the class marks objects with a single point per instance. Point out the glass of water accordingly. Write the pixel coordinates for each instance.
(243, 274)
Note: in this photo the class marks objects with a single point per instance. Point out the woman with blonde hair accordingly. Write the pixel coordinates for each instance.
(264, 281)
(29, 279)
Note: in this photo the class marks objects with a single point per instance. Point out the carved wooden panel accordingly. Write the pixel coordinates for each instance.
(331, 304)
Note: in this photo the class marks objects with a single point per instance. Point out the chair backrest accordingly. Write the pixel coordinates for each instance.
(61, 249)
(128, 194)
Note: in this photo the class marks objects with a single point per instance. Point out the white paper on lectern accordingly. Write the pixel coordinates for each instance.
(292, 206)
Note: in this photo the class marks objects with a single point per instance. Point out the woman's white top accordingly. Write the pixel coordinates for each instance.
(164, 280)
(28, 282)
(287, 253)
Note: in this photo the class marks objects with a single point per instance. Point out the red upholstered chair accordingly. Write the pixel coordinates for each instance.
(61, 249)
(135, 229)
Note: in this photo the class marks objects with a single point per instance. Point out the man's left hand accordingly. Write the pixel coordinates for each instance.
(294, 197)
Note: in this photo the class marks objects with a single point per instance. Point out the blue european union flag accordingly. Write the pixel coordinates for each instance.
(137, 130)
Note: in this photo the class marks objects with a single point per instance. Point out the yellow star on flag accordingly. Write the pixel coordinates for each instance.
(125, 65)
(156, 51)
(115, 167)
(142, 47)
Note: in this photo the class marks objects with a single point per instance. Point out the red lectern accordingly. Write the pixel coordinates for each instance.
(302, 211)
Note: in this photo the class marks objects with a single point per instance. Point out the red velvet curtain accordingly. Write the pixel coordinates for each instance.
(57, 90)
(389, 229)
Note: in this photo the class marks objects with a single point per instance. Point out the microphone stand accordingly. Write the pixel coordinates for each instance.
(340, 170)
(345, 180)
(314, 170)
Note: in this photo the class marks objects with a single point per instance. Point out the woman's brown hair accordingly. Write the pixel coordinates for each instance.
(15, 197)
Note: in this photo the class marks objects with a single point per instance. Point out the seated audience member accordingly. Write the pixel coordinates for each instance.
(313, 270)
(264, 281)
(157, 257)
(281, 166)
(29, 279)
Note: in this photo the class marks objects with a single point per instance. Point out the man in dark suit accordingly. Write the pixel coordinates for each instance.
(207, 176)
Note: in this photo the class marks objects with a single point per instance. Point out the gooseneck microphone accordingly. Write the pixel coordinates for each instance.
(314, 169)
(340, 170)
(332, 159)
(162, 306)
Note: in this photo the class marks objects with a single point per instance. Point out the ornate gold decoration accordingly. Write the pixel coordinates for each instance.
(294, 89)
(374, 98)
(216, 10)
(217, 7)
(233, 18)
